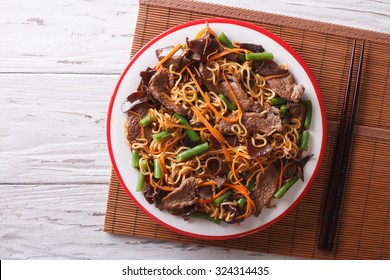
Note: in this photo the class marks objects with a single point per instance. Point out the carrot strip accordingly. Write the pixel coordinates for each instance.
(208, 183)
(168, 56)
(162, 164)
(213, 131)
(281, 173)
(261, 166)
(207, 100)
(226, 52)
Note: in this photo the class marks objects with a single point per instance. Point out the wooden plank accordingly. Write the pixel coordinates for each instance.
(66, 36)
(55, 129)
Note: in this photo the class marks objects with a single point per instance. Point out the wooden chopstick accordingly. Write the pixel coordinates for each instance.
(341, 159)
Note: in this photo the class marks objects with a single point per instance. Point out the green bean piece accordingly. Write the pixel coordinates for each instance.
(141, 177)
(194, 137)
(135, 159)
(157, 173)
(259, 56)
(241, 202)
(140, 183)
(143, 164)
(304, 140)
(229, 105)
(309, 112)
(276, 101)
(147, 120)
(220, 199)
(205, 216)
(251, 186)
(198, 149)
(286, 186)
(225, 41)
(283, 110)
(161, 135)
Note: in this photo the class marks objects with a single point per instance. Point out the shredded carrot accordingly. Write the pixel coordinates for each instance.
(203, 31)
(281, 173)
(168, 56)
(245, 193)
(221, 193)
(242, 190)
(208, 183)
(161, 160)
(261, 166)
(226, 52)
(207, 100)
(204, 201)
(213, 131)
(226, 153)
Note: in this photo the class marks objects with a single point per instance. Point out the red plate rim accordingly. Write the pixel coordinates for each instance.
(286, 47)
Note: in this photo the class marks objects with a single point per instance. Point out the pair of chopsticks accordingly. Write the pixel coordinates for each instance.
(341, 159)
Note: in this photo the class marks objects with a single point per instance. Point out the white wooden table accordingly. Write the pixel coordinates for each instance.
(59, 63)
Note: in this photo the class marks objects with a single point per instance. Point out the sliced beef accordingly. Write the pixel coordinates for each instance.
(252, 47)
(266, 122)
(133, 127)
(256, 152)
(268, 68)
(286, 87)
(179, 200)
(206, 193)
(266, 185)
(216, 166)
(159, 86)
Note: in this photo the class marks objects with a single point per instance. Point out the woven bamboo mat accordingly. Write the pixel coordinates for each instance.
(364, 231)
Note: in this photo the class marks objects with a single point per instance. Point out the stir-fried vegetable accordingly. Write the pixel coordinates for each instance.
(194, 137)
(187, 154)
(259, 56)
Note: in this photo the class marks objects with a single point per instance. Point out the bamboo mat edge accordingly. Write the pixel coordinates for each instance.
(272, 18)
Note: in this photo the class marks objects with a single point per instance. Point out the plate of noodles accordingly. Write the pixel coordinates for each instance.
(216, 128)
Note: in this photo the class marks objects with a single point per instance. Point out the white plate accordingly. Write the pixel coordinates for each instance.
(121, 155)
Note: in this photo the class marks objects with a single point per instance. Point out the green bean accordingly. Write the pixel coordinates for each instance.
(192, 152)
(205, 216)
(221, 198)
(241, 202)
(304, 140)
(286, 186)
(251, 186)
(157, 173)
(194, 137)
(309, 112)
(283, 110)
(259, 56)
(229, 105)
(225, 41)
(276, 101)
(135, 159)
(161, 135)
(147, 120)
(140, 183)
(141, 177)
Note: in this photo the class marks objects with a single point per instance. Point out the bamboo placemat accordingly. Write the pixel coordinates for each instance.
(364, 231)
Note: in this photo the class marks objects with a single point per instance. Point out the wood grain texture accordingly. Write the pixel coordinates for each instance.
(60, 61)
